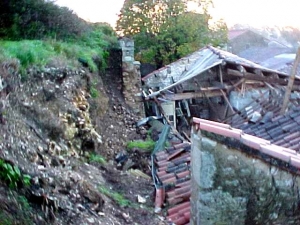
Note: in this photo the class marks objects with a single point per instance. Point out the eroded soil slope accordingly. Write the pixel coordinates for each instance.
(64, 128)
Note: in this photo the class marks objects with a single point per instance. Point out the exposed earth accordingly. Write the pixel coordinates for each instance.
(68, 129)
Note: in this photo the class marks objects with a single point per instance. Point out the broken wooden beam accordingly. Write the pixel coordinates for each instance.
(227, 101)
(253, 76)
(290, 83)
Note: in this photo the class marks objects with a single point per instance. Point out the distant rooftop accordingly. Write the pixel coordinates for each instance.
(232, 34)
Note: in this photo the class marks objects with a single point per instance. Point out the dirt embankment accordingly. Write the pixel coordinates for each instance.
(57, 127)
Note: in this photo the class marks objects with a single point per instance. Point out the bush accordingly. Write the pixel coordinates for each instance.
(12, 175)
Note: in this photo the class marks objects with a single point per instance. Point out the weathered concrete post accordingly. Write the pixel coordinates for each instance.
(131, 77)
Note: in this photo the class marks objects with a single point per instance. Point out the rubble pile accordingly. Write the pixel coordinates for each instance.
(49, 133)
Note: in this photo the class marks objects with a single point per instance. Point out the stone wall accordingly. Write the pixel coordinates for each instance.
(231, 187)
(132, 85)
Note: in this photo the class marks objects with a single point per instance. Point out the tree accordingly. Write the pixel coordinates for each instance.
(164, 30)
(36, 19)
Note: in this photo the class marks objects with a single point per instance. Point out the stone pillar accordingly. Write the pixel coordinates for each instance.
(132, 84)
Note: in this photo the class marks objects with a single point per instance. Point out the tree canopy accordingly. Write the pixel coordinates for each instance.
(164, 30)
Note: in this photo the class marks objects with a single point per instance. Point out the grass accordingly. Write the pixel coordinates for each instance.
(93, 90)
(19, 213)
(117, 197)
(147, 145)
(97, 158)
(40, 53)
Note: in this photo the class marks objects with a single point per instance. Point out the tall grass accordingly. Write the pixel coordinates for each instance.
(40, 53)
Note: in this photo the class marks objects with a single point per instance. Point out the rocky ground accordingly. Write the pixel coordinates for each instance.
(68, 129)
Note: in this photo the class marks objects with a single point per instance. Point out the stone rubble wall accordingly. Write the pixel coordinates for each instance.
(132, 85)
(230, 187)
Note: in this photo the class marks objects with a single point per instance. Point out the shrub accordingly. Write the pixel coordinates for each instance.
(147, 145)
(12, 175)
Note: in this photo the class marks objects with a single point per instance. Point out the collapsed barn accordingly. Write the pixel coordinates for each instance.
(247, 98)
(216, 85)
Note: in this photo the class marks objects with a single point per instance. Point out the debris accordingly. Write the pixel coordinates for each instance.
(139, 173)
(144, 121)
(91, 220)
(121, 157)
(141, 199)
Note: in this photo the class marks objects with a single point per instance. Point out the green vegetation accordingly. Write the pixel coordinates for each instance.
(97, 158)
(164, 30)
(19, 213)
(41, 53)
(39, 33)
(118, 198)
(12, 175)
(5, 219)
(147, 145)
(93, 90)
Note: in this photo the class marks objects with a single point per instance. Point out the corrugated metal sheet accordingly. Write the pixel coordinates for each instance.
(195, 64)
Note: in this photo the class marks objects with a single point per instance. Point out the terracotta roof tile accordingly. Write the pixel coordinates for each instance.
(283, 130)
(172, 168)
(172, 164)
(285, 152)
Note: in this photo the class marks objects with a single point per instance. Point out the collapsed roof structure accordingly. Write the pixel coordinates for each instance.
(215, 85)
(211, 84)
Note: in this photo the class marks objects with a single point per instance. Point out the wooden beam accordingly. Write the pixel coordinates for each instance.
(252, 76)
(189, 95)
(226, 99)
(221, 74)
(235, 85)
(290, 83)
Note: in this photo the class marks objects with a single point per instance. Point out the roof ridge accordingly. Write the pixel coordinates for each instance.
(285, 154)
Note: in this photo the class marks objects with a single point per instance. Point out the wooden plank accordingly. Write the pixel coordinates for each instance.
(290, 83)
(252, 76)
(221, 74)
(189, 95)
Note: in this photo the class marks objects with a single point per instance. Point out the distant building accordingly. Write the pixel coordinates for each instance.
(261, 54)
(240, 40)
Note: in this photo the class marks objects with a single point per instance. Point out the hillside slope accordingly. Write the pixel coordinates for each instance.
(64, 128)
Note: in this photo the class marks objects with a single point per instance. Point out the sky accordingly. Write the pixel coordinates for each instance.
(253, 12)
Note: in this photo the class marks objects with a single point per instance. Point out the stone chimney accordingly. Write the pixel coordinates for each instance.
(132, 84)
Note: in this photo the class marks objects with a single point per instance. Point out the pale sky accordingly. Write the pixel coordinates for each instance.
(252, 12)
